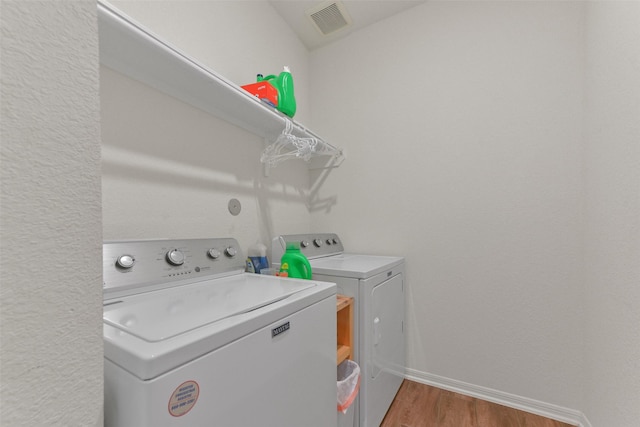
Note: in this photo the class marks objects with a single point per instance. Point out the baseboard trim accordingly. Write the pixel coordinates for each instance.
(548, 410)
(584, 422)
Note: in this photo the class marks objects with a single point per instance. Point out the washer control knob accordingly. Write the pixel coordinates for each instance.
(329, 242)
(230, 251)
(317, 242)
(213, 253)
(335, 241)
(125, 261)
(175, 257)
(304, 243)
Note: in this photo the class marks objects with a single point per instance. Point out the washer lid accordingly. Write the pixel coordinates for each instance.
(354, 265)
(189, 312)
(161, 315)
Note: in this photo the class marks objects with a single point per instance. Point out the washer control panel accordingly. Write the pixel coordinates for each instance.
(139, 265)
(311, 245)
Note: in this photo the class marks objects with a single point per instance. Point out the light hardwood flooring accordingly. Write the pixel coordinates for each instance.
(419, 405)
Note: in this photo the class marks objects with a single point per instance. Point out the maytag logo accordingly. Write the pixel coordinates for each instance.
(280, 329)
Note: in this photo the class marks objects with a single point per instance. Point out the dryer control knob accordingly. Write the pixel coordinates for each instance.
(125, 261)
(213, 253)
(230, 251)
(317, 242)
(175, 257)
(304, 243)
(329, 242)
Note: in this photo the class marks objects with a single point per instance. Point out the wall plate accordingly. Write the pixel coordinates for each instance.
(235, 207)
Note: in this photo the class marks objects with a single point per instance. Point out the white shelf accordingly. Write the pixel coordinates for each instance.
(133, 51)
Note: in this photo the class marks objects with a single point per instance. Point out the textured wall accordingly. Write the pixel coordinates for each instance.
(462, 121)
(51, 292)
(612, 237)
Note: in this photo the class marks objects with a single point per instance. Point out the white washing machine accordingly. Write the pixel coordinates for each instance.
(377, 285)
(192, 340)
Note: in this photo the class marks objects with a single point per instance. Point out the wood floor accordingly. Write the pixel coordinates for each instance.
(419, 405)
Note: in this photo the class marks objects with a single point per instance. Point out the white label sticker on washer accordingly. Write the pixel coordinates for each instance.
(184, 398)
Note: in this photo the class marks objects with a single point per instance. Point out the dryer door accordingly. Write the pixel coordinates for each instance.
(382, 343)
(387, 322)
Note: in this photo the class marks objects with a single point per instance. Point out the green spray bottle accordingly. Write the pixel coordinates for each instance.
(294, 263)
(284, 85)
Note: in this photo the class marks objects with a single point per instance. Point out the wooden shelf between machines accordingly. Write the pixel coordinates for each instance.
(344, 308)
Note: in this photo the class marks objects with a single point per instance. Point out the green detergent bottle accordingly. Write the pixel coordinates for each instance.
(284, 85)
(294, 263)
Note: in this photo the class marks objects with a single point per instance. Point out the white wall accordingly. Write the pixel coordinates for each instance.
(51, 254)
(612, 250)
(463, 126)
(169, 169)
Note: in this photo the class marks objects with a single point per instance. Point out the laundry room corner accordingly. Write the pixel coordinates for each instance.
(466, 227)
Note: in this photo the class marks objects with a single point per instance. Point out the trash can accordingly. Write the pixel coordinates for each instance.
(348, 387)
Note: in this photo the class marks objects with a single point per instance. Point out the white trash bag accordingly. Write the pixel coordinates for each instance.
(348, 384)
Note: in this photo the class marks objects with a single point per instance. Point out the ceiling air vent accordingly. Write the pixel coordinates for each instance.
(329, 17)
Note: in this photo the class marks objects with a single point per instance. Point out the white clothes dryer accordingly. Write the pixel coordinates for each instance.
(377, 285)
(192, 340)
